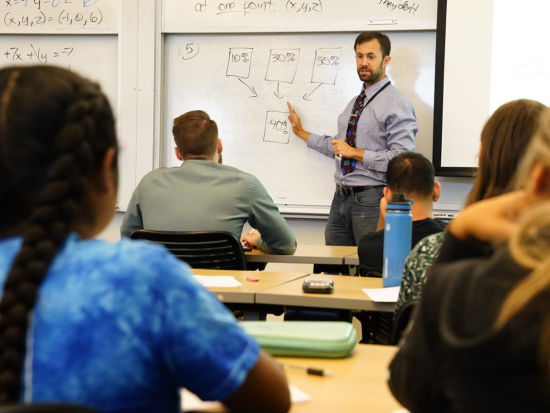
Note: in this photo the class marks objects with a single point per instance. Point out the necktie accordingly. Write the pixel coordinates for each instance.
(346, 164)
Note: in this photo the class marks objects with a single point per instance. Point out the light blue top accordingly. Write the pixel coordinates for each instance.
(386, 128)
(121, 327)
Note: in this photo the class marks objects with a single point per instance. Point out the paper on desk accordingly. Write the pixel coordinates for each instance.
(217, 281)
(297, 395)
(190, 402)
(382, 295)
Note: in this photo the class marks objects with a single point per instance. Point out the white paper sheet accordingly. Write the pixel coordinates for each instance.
(217, 281)
(297, 395)
(382, 295)
(190, 402)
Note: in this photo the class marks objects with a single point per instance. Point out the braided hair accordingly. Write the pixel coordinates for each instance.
(55, 129)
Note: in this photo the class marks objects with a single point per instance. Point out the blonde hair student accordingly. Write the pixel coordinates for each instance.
(481, 338)
(116, 327)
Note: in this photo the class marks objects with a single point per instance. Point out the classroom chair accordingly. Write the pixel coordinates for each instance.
(402, 319)
(45, 408)
(200, 249)
(219, 250)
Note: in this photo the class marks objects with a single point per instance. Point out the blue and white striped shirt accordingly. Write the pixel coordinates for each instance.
(386, 128)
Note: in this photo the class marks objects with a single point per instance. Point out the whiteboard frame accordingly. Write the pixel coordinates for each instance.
(136, 79)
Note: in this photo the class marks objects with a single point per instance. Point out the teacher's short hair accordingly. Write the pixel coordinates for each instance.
(195, 134)
(385, 43)
(411, 173)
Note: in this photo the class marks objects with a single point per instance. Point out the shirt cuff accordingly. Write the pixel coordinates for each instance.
(369, 160)
(313, 141)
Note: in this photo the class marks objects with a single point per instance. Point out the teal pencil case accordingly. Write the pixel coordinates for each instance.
(303, 338)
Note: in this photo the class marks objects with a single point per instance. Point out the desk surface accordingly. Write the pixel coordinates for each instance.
(305, 254)
(245, 293)
(358, 385)
(347, 295)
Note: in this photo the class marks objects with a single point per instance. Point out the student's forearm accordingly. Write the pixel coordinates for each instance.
(264, 390)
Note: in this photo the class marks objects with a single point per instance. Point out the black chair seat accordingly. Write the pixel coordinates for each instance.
(200, 249)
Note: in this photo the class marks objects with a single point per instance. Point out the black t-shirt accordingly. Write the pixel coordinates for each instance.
(371, 246)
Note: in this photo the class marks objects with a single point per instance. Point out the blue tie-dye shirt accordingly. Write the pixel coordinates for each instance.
(121, 327)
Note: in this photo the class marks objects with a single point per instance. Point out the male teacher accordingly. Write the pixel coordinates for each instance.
(375, 126)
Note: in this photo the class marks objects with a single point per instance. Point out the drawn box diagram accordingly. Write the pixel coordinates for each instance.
(325, 66)
(282, 65)
(277, 127)
(239, 62)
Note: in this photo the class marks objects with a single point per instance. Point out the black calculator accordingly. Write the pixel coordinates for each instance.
(318, 286)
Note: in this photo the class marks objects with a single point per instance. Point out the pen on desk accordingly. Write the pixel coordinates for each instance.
(309, 370)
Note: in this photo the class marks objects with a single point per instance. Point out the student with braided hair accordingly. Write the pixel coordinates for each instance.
(117, 327)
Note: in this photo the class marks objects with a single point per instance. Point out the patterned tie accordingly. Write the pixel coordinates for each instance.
(346, 164)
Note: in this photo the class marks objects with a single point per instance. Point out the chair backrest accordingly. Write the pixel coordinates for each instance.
(401, 321)
(200, 249)
(45, 408)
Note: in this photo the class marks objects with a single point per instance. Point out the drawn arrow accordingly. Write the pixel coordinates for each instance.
(277, 93)
(251, 89)
(306, 95)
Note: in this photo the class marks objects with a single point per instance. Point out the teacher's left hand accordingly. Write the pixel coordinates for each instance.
(341, 148)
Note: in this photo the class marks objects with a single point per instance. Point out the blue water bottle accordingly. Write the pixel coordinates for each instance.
(397, 239)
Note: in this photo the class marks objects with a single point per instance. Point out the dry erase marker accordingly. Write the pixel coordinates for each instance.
(309, 370)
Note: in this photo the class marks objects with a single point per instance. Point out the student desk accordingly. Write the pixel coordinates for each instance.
(305, 254)
(245, 293)
(347, 295)
(358, 384)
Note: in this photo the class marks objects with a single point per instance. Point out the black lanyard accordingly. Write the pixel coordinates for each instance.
(370, 100)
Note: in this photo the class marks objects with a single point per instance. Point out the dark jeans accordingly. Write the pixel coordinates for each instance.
(352, 216)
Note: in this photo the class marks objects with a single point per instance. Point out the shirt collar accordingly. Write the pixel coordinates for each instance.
(370, 91)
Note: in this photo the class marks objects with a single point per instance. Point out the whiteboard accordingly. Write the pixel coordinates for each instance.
(244, 81)
(216, 16)
(94, 57)
(46, 16)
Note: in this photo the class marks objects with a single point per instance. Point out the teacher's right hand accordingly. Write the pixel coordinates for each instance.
(294, 119)
(296, 124)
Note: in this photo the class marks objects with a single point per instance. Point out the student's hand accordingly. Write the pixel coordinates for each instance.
(382, 216)
(296, 124)
(251, 240)
(491, 220)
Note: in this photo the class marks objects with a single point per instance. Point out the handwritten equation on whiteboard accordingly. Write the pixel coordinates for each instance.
(34, 15)
(248, 7)
(33, 54)
(209, 15)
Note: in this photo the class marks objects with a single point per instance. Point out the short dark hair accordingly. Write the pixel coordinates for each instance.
(195, 134)
(385, 43)
(411, 173)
